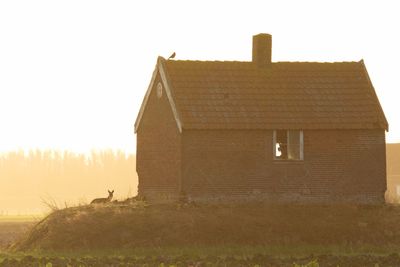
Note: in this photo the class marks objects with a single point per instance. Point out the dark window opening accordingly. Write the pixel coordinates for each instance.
(288, 144)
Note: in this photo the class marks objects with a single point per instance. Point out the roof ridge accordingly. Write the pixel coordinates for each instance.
(207, 61)
(321, 62)
(249, 62)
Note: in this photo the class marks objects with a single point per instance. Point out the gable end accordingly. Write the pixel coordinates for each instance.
(160, 69)
(381, 119)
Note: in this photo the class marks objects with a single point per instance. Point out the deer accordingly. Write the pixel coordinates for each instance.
(103, 200)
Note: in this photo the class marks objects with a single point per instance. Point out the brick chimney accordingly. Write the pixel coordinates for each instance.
(262, 49)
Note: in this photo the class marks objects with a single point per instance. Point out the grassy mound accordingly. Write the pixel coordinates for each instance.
(116, 226)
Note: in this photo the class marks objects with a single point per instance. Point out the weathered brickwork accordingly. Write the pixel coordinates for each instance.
(338, 166)
(213, 141)
(158, 150)
(220, 165)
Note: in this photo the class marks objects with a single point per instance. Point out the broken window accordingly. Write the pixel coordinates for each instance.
(288, 144)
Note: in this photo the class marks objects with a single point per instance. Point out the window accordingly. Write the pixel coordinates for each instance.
(159, 90)
(288, 144)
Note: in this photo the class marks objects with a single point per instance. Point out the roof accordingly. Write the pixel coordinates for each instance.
(285, 95)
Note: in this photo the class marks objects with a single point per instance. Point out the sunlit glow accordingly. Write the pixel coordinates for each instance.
(278, 152)
(73, 73)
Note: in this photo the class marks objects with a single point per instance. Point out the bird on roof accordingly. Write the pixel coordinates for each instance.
(172, 56)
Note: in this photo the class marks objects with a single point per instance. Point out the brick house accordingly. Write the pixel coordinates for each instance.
(275, 131)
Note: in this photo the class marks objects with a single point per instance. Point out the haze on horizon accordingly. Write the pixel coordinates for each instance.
(73, 74)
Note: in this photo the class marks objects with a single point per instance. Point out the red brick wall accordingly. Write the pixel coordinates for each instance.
(158, 161)
(338, 165)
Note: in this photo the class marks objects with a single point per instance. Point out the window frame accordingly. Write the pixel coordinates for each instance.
(301, 143)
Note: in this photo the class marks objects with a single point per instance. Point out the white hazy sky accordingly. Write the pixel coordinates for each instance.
(73, 73)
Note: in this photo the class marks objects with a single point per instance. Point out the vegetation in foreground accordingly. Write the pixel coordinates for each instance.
(255, 260)
(137, 234)
(122, 225)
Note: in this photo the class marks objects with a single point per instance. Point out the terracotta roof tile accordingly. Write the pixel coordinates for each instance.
(239, 95)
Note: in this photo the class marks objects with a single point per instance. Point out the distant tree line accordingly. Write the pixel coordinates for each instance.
(26, 177)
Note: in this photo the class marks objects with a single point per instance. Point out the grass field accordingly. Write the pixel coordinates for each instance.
(13, 228)
(211, 235)
(251, 256)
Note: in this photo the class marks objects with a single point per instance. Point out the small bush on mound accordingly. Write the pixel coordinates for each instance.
(139, 225)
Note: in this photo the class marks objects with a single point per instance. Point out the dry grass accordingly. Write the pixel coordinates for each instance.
(116, 226)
